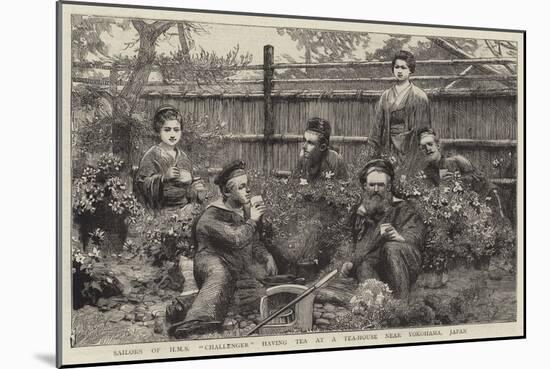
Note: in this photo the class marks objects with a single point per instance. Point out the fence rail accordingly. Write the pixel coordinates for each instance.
(263, 113)
(455, 142)
(351, 64)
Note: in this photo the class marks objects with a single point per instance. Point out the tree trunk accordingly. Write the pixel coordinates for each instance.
(186, 57)
(125, 103)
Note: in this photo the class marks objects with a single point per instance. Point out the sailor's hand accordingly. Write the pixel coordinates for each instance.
(346, 269)
(257, 211)
(362, 210)
(391, 234)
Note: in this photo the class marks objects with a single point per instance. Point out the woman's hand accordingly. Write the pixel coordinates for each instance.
(171, 173)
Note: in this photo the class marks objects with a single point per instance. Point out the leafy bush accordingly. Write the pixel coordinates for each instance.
(167, 236)
(372, 306)
(306, 222)
(92, 279)
(461, 227)
(100, 199)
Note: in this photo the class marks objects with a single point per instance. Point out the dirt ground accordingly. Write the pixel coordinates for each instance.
(138, 316)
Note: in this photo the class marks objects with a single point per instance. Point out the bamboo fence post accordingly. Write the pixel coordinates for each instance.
(113, 79)
(269, 128)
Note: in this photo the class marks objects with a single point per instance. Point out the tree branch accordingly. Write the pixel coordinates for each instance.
(139, 25)
(159, 27)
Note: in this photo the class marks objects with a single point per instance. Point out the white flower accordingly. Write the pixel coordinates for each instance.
(456, 207)
(289, 196)
(329, 174)
(94, 253)
(446, 189)
(303, 181)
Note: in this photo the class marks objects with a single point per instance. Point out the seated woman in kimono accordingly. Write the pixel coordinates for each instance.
(165, 179)
(400, 110)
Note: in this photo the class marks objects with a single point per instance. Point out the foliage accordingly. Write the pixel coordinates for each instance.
(86, 35)
(203, 67)
(92, 279)
(372, 306)
(306, 222)
(461, 226)
(101, 198)
(505, 166)
(203, 140)
(325, 46)
(166, 236)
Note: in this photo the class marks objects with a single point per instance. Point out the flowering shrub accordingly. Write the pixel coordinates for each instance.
(372, 306)
(167, 236)
(92, 279)
(461, 226)
(305, 222)
(164, 237)
(101, 199)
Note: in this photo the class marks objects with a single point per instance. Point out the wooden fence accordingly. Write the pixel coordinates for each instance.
(266, 124)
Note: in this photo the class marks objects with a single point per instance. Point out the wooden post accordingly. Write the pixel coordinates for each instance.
(113, 79)
(269, 128)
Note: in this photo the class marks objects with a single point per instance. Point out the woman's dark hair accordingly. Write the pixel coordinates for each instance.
(406, 56)
(165, 113)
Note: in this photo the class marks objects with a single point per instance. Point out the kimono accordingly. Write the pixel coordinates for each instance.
(151, 190)
(393, 262)
(331, 162)
(228, 247)
(397, 118)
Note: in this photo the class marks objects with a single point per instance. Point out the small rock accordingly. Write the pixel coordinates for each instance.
(160, 293)
(130, 317)
(119, 299)
(102, 302)
(127, 308)
(116, 316)
(322, 322)
(329, 308)
(158, 313)
(329, 316)
(317, 314)
(251, 317)
(104, 308)
(158, 326)
(140, 317)
(243, 324)
(140, 310)
(318, 306)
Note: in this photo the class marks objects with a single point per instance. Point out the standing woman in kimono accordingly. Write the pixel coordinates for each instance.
(164, 179)
(400, 111)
